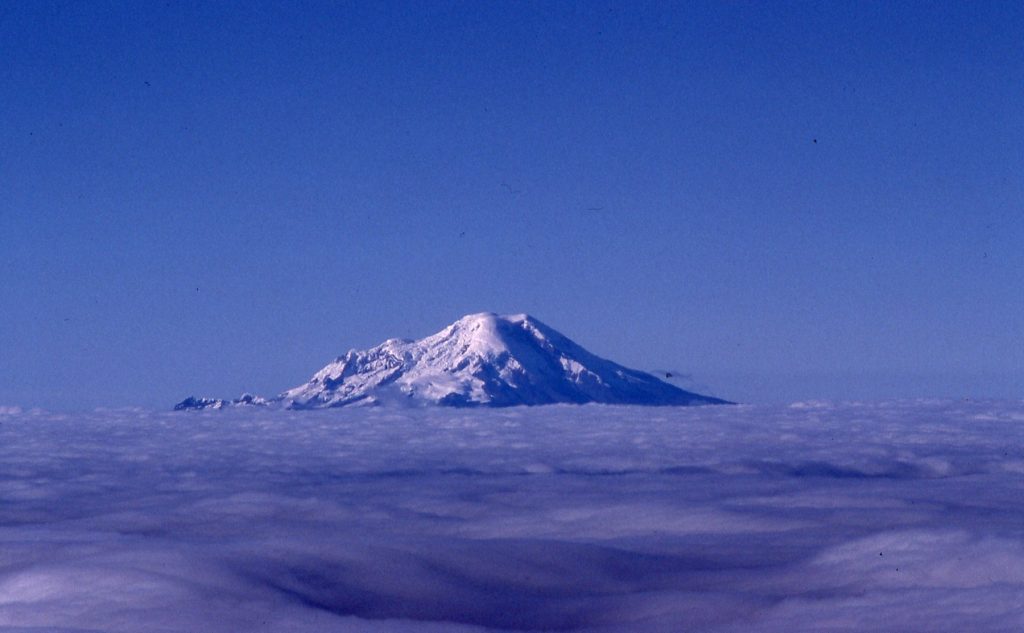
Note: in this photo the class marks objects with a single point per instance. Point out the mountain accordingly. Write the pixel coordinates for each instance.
(480, 360)
(247, 399)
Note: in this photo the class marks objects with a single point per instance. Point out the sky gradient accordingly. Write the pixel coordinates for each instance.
(781, 200)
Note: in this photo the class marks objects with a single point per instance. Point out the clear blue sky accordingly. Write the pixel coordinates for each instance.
(785, 200)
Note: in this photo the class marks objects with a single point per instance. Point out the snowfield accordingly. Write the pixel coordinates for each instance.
(483, 359)
(900, 516)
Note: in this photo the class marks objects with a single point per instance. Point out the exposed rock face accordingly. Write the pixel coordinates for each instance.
(192, 402)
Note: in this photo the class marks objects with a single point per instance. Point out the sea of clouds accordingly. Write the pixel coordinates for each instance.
(900, 516)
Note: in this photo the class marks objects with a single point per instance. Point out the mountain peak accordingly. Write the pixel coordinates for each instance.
(482, 359)
(483, 334)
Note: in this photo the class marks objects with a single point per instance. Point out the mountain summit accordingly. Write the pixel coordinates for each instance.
(480, 360)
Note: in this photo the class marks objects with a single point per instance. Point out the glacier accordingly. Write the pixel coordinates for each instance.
(816, 516)
(482, 359)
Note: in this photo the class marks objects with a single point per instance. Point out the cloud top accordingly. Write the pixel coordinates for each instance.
(842, 517)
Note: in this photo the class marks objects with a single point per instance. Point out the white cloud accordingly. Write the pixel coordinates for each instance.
(857, 517)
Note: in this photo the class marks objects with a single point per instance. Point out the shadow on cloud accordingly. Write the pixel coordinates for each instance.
(854, 517)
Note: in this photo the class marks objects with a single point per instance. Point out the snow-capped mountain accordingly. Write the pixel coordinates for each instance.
(480, 360)
(246, 399)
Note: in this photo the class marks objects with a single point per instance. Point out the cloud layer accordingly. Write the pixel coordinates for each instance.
(901, 516)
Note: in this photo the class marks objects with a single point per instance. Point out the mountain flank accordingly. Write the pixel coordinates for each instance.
(481, 360)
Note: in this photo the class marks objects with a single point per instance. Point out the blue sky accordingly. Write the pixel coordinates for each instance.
(783, 200)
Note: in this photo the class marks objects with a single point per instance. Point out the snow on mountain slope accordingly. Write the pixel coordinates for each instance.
(247, 399)
(482, 360)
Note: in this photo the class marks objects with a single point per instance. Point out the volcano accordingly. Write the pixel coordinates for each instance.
(481, 360)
